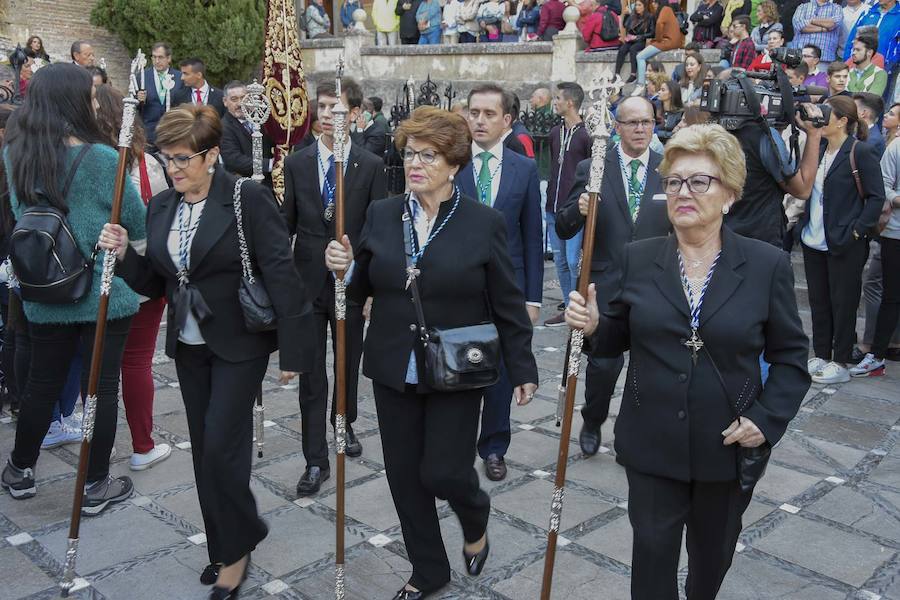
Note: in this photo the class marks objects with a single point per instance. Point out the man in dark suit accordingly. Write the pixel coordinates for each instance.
(237, 143)
(870, 109)
(371, 133)
(153, 99)
(507, 181)
(309, 210)
(631, 207)
(195, 88)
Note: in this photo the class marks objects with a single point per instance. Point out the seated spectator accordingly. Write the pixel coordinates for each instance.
(667, 36)
(812, 55)
(797, 75)
(672, 110)
(885, 15)
(818, 22)
(637, 27)
(838, 74)
(655, 65)
(853, 10)
(592, 29)
(763, 61)
(707, 20)
(866, 76)
(744, 49)
(692, 82)
(551, 21)
(735, 8)
(767, 15)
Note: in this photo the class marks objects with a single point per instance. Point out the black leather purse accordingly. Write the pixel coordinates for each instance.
(751, 462)
(458, 358)
(259, 314)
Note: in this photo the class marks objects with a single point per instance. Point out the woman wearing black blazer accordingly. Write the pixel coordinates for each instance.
(193, 258)
(833, 233)
(465, 278)
(680, 424)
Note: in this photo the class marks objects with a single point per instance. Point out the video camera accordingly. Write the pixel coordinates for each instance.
(756, 96)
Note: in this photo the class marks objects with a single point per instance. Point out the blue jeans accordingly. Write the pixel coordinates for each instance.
(559, 256)
(763, 369)
(642, 58)
(65, 406)
(573, 251)
(431, 37)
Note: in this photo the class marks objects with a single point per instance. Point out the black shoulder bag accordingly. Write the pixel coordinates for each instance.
(751, 462)
(259, 314)
(458, 358)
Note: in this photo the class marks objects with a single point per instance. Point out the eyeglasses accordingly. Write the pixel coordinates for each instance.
(696, 184)
(427, 157)
(181, 161)
(646, 124)
(158, 56)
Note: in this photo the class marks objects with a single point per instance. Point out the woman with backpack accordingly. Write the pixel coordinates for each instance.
(637, 27)
(149, 177)
(842, 210)
(600, 29)
(58, 163)
(668, 36)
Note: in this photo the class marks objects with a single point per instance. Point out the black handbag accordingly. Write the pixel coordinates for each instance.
(259, 314)
(751, 462)
(458, 358)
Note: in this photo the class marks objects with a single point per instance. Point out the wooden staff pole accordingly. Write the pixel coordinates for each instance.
(598, 122)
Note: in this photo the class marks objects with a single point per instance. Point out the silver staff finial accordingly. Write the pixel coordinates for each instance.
(256, 110)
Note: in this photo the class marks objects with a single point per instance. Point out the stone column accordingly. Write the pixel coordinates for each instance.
(357, 37)
(565, 46)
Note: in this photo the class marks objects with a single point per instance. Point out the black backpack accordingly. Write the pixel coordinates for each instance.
(609, 27)
(683, 21)
(44, 255)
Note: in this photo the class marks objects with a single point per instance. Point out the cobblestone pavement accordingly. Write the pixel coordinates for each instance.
(824, 523)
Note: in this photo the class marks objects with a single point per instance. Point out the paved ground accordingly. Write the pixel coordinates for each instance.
(825, 522)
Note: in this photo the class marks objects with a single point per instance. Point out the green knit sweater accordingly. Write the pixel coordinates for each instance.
(90, 203)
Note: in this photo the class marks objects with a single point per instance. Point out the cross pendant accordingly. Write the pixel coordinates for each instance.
(411, 274)
(695, 344)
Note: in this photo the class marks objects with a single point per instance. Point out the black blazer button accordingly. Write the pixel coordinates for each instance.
(681, 415)
(682, 341)
(412, 326)
(682, 377)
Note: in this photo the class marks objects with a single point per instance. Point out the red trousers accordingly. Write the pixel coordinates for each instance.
(137, 380)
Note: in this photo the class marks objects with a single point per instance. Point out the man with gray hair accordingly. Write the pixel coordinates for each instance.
(82, 54)
(237, 143)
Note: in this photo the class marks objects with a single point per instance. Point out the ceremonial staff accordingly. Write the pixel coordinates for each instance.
(599, 123)
(90, 407)
(257, 110)
(168, 84)
(340, 332)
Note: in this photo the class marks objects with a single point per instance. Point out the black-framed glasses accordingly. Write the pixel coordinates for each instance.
(180, 161)
(645, 123)
(696, 183)
(427, 156)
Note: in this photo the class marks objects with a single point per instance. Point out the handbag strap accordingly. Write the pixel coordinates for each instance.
(407, 226)
(246, 268)
(721, 379)
(855, 171)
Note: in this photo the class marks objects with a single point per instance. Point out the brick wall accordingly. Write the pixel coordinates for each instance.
(61, 22)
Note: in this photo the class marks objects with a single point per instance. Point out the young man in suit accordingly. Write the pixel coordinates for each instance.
(371, 133)
(237, 143)
(507, 181)
(195, 89)
(309, 210)
(632, 206)
(153, 99)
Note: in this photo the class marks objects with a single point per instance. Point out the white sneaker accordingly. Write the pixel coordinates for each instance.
(815, 364)
(832, 373)
(74, 420)
(139, 462)
(60, 434)
(867, 366)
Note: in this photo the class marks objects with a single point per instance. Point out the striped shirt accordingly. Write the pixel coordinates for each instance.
(826, 40)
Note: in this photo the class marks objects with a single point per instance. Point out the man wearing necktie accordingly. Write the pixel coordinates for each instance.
(309, 210)
(237, 143)
(153, 99)
(507, 181)
(196, 90)
(632, 206)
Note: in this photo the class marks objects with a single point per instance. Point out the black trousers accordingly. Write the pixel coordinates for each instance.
(218, 399)
(429, 449)
(835, 283)
(889, 310)
(629, 49)
(52, 349)
(600, 376)
(314, 385)
(659, 509)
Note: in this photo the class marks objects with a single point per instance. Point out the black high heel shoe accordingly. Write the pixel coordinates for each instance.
(475, 562)
(210, 573)
(220, 593)
(406, 594)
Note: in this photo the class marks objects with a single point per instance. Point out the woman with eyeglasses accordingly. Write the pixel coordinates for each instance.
(193, 258)
(454, 250)
(696, 309)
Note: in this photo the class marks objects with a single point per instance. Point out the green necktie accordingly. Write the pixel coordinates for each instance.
(634, 188)
(160, 87)
(484, 178)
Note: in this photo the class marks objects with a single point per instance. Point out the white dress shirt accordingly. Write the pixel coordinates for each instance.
(324, 156)
(204, 93)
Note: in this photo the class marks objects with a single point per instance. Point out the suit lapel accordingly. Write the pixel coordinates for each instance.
(508, 174)
(465, 178)
(668, 279)
(162, 214)
(218, 215)
(351, 169)
(842, 155)
(725, 279)
(615, 173)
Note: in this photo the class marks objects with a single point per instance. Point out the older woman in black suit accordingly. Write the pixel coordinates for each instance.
(193, 258)
(696, 310)
(465, 278)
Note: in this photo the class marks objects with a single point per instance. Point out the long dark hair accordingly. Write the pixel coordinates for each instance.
(844, 106)
(110, 107)
(58, 106)
(674, 95)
